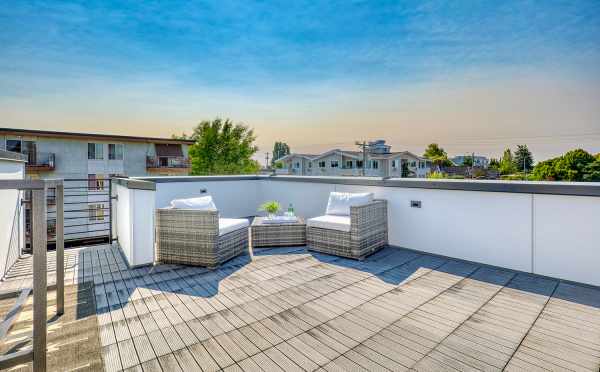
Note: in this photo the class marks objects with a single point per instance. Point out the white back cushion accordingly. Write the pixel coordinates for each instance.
(340, 202)
(203, 203)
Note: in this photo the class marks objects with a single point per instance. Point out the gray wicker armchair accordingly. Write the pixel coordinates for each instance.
(191, 237)
(367, 233)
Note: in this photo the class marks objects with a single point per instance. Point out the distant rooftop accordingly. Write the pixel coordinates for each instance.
(79, 135)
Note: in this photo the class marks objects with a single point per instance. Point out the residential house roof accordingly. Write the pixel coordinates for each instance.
(88, 136)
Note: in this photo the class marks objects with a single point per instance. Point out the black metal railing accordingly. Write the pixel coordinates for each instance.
(167, 162)
(87, 212)
(37, 159)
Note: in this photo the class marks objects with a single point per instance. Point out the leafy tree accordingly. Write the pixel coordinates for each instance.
(571, 166)
(507, 164)
(280, 149)
(468, 161)
(223, 148)
(546, 170)
(494, 164)
(437, 155)
(592, 171)
(434, 150)
(523, 158)
(575, 165)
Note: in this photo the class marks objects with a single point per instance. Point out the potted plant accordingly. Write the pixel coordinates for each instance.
(271, 207)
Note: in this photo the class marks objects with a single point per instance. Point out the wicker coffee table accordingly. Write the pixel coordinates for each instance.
(277, 234)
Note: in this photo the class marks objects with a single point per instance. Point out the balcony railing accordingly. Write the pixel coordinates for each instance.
(40, 160)
(167, 162)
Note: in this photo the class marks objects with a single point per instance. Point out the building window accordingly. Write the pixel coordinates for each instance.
(95, 182)
(297, 165)
(95, 151)
(334, 164)
(115, 151)
(13, 145)
(375, 164)
(394, 163)
(359, 164)
(321, 164)
(96, 212)
(310, 164)
(413, 164)
(421, 164)
(349, 164)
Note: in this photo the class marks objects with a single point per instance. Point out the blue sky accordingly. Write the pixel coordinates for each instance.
(378, 68)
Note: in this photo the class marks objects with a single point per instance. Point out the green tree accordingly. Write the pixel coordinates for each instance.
(523, 158)
(592, 171)
(468, 161)
(572, 165)
(223, 148)
(546, 170)
(437, 155)
(575, 165)
(494, 164)
(507, 164)
(280, 149)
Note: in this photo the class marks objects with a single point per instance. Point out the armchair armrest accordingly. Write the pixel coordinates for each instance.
(368, 218)
(188, 221)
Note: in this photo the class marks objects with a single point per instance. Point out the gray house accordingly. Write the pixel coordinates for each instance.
(380, 162)
(86, 161)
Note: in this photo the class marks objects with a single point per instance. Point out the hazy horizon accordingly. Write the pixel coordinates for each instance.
(473, 77)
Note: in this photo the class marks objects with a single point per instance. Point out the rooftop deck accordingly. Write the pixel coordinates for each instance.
(289, 309)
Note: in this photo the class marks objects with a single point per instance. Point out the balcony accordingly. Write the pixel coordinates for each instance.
(161, 163)
(40, 161)
(482, 275)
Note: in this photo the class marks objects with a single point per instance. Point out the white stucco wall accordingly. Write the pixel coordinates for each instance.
(11, 218)
(552, 235)
(135, 224)
(232, 198)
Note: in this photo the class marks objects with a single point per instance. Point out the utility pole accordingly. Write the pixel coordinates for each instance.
(267, 160)
(363, 145)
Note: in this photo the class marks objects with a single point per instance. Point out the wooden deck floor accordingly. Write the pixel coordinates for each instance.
(288, 309)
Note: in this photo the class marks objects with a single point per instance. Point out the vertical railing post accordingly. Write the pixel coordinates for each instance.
(40, 240)
(60, 249)
(110, 212)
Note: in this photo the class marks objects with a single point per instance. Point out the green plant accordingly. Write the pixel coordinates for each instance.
(222, 147)
(271, 207)
(436, 175)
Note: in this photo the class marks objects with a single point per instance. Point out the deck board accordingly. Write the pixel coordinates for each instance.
(288, 309)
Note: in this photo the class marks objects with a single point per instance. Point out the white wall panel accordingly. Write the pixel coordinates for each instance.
(567, 237)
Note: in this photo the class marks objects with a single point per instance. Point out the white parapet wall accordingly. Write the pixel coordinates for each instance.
(544, 228)
(11, 216)
(134, 215)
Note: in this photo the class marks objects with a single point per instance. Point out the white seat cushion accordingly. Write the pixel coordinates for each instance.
(340, 202)
(227, 225)
(203, 203)
(341, 223)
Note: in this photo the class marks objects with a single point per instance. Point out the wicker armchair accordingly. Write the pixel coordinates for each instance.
(368, 233)
(191, 237)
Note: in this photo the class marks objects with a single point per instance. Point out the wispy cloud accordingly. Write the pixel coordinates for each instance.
(291, 67)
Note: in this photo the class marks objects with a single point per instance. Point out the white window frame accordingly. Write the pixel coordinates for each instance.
(322, 164)
(334, 164)
(116, 153)
(374, 164)
(98, 149)
(96, 212)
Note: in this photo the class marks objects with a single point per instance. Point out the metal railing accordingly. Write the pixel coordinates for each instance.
(35, 160)
(167, 162)
(39, 239)
(87, 212)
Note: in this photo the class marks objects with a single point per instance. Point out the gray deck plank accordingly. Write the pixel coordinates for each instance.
(288, 309)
